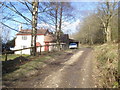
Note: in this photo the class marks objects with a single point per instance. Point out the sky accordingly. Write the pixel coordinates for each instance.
(81, 9)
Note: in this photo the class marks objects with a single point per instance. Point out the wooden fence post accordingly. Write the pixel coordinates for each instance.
(21, 53)
(54, 47)
(40, 49)
(6, 56)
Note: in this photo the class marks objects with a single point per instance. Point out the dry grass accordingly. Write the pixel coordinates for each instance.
(107, 65)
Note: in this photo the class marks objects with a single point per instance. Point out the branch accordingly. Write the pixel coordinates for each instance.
(24, 3)
(45, 11)
(102, 21)
(17, 12)
(9, 27)
(27, 19)
(28, 7)
(20, 22)
(1, 5)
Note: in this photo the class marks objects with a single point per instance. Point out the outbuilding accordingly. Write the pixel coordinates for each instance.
(73, 42)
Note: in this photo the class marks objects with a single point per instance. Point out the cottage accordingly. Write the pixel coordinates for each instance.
(23, 40)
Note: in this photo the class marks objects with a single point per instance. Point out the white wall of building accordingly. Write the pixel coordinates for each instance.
(40, 39)
(20, 43)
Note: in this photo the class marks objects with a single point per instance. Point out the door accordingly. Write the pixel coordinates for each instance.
(38, 46)
(46, 47)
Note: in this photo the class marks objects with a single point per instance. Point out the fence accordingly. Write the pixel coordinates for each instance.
(54, 47)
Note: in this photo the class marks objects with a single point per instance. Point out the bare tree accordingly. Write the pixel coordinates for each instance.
(98, 27)
(106, 12)
(29, 8)
(4, 31)
(35, 4)
(90, 31)
(61, 12)
(5, 35)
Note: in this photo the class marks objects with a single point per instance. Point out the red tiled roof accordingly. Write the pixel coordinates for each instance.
(28, 32)
(49, 38)
(52, 38)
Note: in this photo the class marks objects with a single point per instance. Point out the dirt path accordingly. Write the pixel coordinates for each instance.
(74, 71)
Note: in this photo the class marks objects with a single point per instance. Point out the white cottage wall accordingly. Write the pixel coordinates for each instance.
(20, 43)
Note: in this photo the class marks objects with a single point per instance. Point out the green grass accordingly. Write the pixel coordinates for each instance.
(27, 69)
(107, 59)
(32, 66)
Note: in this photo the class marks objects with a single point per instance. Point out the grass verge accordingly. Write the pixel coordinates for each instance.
(25, 67)
(107, 65)
(12, 56)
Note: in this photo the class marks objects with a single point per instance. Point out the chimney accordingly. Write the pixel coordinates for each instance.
(20, 27)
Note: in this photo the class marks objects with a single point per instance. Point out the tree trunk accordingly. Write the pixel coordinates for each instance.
(34, 24)
(56, 26)
(108, 34)
(31, 51)
(60, 25)
(91, 40)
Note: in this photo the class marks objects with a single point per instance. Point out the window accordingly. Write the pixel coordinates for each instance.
(24, 37)
(24, 47)
(73, 44)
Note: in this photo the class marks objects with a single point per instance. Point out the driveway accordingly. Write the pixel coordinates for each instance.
(73, 71)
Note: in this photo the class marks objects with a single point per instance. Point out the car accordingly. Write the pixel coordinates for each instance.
(73, 46)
